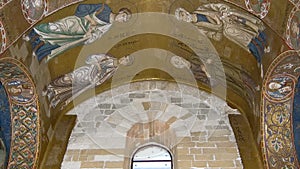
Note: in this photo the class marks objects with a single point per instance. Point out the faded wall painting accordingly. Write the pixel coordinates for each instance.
(279, 147)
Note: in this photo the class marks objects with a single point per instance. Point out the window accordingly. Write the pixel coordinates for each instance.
(152, 157)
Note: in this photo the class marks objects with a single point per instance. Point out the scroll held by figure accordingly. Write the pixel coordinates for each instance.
(218, 20)
(88, 24)
(99, 68)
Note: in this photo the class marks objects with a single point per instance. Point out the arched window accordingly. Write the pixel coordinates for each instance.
(152, 157)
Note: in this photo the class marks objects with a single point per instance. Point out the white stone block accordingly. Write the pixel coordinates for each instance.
(71, 165)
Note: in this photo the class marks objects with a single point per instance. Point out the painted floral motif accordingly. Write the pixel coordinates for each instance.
(293, 29)
(33, 10)
(3, 38)
(287, 167)
(280, 87)
(279, 115)
(258, 7)
(277, 144)
(278, 133)
(279, 148)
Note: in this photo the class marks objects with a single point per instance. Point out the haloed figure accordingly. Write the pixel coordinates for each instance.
(88, 24)
(279, 87)
(216, 20)
(99, 68)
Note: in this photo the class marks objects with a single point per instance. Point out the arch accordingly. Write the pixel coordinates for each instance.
(278, 145)
(154, 155)
(264, 121)
(126, 123)
(24, 112)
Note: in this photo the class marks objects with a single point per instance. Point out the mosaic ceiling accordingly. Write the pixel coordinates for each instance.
(245, 52)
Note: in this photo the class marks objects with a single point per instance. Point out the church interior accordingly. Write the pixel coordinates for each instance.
(151, 84)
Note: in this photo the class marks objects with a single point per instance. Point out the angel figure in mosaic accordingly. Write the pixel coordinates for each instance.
(88, 24)
(218, 20)
(99, 68)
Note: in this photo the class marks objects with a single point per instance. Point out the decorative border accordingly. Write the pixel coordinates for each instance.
(2, 4)
(263, 11)
(25, 121)
(277, 116)
(61, 7)
(296, 4)
(4, 38)
(288, 27)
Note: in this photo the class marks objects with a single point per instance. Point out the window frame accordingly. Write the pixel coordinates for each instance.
(152, 145)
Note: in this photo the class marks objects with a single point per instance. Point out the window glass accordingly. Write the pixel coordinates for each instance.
(152, 157)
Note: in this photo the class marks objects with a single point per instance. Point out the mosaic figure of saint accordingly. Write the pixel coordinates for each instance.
(99, 68)
(33, 9)
(88, 24)
(20, 91)
(218, 20)
(280, 87)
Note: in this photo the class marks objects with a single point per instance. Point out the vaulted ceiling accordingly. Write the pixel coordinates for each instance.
(237, 50)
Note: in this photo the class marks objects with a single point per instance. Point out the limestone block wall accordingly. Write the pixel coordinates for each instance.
(193, 124)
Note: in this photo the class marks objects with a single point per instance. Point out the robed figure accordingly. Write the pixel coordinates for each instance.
(218, 20)
(99, 68)
(88, 24)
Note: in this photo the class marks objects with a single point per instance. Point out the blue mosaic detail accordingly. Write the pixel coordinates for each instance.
(5, 121)
(296, 118)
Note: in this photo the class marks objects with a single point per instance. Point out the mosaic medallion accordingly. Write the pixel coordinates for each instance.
(24, 113)
(33, 10)
(20, 90)
(293, 29)
(3, 38)
(280, 87)
(258, 7)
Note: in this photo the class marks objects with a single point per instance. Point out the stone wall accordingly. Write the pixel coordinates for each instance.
(196, 121)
